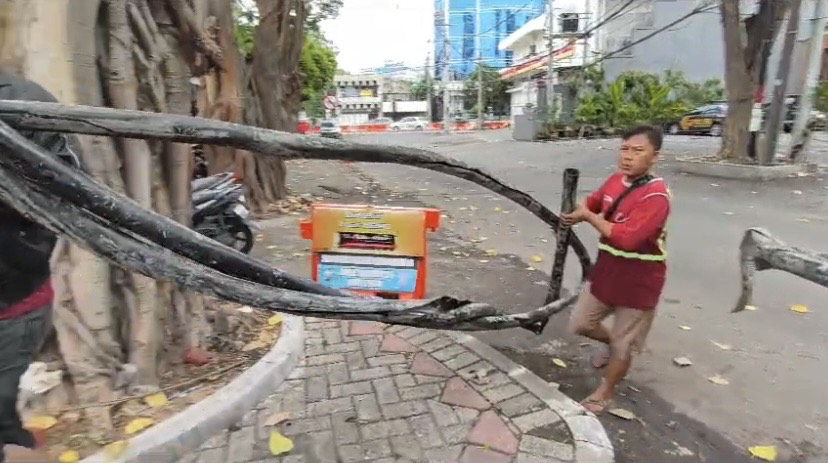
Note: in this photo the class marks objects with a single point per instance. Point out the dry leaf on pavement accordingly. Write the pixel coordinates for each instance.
(159, 399)
(537, 259)
(763, 452)
(685, 328)
(274, 320)
(279, 444)
(69, 456)
(722, 346)
(40, 422)
(799, 308)
(622, 413)
(716, 379)
(682, 361)
(491, 252)
(750, 307)
(559, 362)
(137, 425)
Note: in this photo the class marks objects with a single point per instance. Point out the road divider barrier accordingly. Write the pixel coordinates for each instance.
(433, 127)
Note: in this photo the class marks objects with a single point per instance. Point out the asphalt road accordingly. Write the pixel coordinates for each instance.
(777, 364)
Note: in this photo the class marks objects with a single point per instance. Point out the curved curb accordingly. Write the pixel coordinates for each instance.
(592, 445)
(173, 438)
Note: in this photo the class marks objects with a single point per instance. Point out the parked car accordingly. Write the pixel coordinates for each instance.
(410, 123)
(330, 129)
(706, 119)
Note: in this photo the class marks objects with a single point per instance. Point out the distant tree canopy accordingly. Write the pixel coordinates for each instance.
(317, 62)
(494, 91)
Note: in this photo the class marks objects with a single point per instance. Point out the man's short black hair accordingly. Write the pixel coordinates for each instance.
(653, 134)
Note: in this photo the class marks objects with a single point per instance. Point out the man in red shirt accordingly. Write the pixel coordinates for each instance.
(629, 211)
(25, 288)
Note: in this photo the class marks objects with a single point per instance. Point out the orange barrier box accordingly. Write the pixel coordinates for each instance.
(374, 250)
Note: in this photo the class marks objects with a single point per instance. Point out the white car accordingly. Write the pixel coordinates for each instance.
(410, 123)
(330, 129)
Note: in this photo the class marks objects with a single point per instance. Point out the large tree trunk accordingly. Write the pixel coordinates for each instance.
(131, 55)
(746, 43)
(277, 47)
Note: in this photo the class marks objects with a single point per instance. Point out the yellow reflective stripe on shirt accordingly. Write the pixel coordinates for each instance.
(632, 255)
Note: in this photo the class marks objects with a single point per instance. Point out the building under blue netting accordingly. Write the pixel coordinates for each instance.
(498, 19)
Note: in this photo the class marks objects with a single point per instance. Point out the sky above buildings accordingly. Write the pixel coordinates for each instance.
(369, 33)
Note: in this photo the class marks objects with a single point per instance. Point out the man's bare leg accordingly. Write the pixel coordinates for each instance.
(616, 371)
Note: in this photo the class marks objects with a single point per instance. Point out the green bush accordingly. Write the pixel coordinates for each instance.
(639, 96)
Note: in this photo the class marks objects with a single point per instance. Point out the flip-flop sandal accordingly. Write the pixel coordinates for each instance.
(600, 358)
(596, 406)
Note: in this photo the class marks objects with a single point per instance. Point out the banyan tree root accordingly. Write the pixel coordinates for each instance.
(65, 200)
(761, 251)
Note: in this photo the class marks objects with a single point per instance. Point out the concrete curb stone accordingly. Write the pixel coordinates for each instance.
(592, 445)
(173, 438)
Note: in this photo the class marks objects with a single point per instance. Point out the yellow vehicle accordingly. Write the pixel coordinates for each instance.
(704, 120)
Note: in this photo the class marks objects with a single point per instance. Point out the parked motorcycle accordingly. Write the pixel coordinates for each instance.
(220, 212)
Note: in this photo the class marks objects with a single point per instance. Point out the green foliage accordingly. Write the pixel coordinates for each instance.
(821, 102)
(317, 63)
(419, 88)
(318, 66)
(494, 91)
(635, 97)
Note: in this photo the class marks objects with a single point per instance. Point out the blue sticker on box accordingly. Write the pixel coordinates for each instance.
(387, 279)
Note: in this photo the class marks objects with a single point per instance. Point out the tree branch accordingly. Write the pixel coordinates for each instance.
(66, 183)
(761, 251)
(206, 45)
(138, 254)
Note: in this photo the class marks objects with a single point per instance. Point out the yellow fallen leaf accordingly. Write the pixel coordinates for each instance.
(484, 261)
(279, 444)
(559, 362)
(138, 425)
(799, 308)
(722, 346)
(497, 209)
(685, 328)
(803, 220)
(763, 452)
(718, 380)
(276, 418)
(274, 320)
(159, 399)
(40, 422)
(750, 307)
(530, 268)
(69, 456)
(115, 449)
(537, 259)
(491, 252)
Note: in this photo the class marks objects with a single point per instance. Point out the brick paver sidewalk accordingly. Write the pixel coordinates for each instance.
(367, 392)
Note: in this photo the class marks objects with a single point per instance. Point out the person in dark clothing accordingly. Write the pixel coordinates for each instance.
(25, 287)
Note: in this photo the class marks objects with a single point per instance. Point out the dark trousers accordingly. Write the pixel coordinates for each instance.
(20, 340)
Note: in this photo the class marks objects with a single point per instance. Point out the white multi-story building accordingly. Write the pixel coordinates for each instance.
(530, 46)
(359, 97)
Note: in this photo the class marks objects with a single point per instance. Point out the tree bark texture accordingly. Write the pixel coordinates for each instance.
(744, 43)
(92, 202)
(762, 251)
(114, 52)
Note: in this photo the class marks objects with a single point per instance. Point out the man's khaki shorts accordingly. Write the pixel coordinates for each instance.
(629, 329)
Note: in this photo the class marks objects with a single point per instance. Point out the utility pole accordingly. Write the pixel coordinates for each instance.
(778, 106)
(446, 61)
(429, 88)
(550, 66)
(478, 41)
(799, 135)
(584, 25)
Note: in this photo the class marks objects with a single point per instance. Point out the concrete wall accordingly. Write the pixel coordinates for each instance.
(694, 47)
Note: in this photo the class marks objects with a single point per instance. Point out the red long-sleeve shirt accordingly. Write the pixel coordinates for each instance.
(630, 269)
